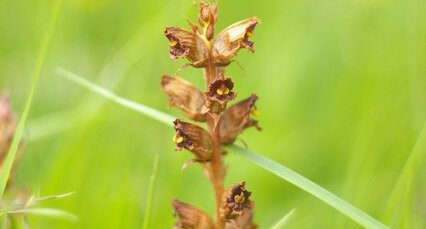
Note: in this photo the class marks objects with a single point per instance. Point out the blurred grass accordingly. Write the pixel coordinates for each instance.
(342, 88)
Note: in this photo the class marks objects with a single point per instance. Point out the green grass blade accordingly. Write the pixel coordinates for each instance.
(280, 170)
(284, 220)
(150, 112)
(309, 186)
(50, 212)
(41, 56)
(148, 206)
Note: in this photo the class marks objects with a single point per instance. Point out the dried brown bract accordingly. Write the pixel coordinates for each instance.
(184, 96)
(236, 118)
(211, 53)
(191, 217)
(232, 39)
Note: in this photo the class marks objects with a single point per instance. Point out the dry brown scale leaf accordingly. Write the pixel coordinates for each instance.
(212, 53)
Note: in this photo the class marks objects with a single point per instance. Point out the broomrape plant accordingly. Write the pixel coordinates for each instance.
(213, 54)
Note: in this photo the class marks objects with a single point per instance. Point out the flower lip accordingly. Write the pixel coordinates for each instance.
(220, 90)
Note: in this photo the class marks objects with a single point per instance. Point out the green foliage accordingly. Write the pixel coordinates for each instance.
(342, 101)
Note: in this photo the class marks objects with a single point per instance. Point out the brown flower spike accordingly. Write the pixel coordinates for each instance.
(212, 53)
(8, 124)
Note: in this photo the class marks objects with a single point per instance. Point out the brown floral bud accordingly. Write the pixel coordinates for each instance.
(235, 201)
(191, 217)
(230, 40)
(189, 45)
(194, 139)
(184, 96)
(207, 13)
(207, 18)
(236, 118)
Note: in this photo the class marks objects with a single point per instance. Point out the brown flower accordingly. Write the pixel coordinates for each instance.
(194, 139)
(220, 90)
(218, 95)
(189, 45)
(236, 118)
(227, 43)
(235, 201)
(184, 96)
(191, 217)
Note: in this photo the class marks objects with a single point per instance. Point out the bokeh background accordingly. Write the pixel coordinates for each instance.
(342, 87)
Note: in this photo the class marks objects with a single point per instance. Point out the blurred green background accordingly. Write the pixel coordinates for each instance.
(342, 87)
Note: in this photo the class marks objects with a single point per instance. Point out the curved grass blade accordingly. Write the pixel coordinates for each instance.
(41, 56)
(150, 112)
(280, 170)
(148, 206)
(284, 220)
(309, 186)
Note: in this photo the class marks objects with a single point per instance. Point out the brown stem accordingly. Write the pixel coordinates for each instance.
(217, 171)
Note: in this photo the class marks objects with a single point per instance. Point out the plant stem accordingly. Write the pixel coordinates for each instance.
(217, 173)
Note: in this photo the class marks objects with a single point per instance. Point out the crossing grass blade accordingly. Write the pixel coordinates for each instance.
(284, 220)
(148, 206)
(280, 170)
(41, 56)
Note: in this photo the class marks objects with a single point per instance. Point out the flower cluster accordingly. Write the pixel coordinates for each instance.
(202, 49)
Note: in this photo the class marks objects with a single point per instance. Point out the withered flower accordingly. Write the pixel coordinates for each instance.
(235, 201)
(191, 217)
(227, 43)
(245, 221)
(220, 90)
(236, 118)
(194, 139)
(184, 96)
(219, 94)
(188, 45)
